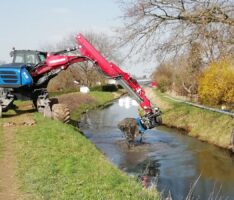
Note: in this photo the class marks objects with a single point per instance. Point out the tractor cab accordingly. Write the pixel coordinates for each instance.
(29, 58)
(17, 73)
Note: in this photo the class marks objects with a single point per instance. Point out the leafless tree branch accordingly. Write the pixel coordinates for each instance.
(176, 24)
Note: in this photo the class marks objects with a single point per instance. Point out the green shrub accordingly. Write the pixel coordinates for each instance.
(96, 88)
(109, 88)
(164, 84)
(105, 88)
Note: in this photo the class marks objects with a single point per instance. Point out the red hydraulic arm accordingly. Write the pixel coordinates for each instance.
(113, 71)
(59, 61)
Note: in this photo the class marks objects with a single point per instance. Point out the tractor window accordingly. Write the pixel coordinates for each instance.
(31, 59)
(42, 57)
(19, 58)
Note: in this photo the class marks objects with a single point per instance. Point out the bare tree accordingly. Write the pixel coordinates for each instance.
(169, 27)
(181, 74)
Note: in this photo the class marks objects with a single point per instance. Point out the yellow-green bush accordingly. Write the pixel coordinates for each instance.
(216, 85)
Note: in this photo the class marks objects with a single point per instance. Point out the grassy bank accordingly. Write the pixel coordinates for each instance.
(100, 99)
(56, 162)
(214, 128)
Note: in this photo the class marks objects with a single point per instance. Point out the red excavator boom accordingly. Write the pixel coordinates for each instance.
(55, 62)
(113, 71)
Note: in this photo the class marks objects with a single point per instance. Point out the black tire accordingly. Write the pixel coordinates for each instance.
(61, 113)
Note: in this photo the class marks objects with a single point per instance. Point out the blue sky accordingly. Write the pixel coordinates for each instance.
(31, 24)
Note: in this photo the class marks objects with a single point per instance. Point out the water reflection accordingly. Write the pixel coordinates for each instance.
(176, 160)
(127, 102)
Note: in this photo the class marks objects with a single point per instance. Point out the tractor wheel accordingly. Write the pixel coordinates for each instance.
(61, 113)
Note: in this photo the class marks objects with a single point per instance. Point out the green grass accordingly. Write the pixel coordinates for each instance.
(54, 94)
(102, 97)
(56, 162)
(206, 125)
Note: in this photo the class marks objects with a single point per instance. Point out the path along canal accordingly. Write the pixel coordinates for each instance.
(174, 160)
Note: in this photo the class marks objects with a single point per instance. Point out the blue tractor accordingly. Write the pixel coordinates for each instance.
(17, 83)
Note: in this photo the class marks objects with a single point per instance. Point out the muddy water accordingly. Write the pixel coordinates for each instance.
(175, 161)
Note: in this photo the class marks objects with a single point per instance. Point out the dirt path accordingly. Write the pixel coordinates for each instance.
(8, 185)
(9, 189)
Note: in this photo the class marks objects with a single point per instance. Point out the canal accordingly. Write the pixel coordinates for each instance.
(176, 164)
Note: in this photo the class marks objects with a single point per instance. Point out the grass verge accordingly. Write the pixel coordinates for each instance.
(214, 128)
